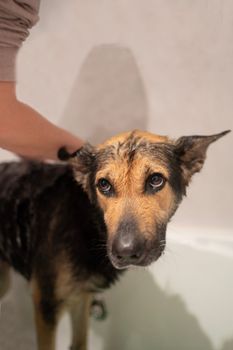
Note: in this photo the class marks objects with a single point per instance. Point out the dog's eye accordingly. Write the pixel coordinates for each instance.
(155, 182)
(104, 186)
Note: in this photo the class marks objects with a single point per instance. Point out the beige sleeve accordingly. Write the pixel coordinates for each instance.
(16, 18)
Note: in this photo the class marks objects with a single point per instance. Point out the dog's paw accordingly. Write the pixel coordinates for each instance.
(98, 309)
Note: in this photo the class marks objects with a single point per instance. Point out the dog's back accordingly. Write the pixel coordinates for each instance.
(23, 188)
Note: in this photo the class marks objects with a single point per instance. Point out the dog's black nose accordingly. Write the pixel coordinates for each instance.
(127, 249)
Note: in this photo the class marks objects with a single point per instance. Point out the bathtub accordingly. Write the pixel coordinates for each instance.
(181, 302)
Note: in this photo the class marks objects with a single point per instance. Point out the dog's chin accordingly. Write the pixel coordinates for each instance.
(118, 265)
(148, 260)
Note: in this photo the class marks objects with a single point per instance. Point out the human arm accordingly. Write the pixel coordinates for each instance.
(25, 132)
(22, 129)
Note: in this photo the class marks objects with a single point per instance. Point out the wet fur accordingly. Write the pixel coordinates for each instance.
(52, 235)
(56, 228)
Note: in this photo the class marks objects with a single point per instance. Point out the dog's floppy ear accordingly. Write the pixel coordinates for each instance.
(82, 161)
(191, 152)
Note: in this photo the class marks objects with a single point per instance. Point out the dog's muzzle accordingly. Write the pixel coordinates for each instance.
(129, 246)
(129, 249)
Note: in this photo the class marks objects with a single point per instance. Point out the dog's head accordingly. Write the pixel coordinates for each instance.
(138, 180)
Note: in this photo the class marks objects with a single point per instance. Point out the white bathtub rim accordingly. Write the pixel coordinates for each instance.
(210, 240)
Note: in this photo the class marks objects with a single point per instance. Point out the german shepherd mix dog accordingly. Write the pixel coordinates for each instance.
(71, 229)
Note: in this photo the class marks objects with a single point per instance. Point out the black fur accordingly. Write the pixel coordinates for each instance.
(44, 212)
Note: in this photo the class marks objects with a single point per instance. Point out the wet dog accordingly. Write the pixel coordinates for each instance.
(71, 229)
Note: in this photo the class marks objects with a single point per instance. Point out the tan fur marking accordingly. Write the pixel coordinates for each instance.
(150, 211)
(64, 283)
(36, 293)
(45, 333)
(130, 199)
(80, 314)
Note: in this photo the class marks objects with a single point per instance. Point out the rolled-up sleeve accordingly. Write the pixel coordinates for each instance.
(16, 19)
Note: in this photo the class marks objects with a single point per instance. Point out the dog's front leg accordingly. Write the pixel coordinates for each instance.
(45, 333)
(80, 312)
(46, 318)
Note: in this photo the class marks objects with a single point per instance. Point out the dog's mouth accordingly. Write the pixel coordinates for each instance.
(144, 258)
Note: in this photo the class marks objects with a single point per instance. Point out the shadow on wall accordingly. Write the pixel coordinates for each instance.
(108, 95)
(143, 316)
(228, 345)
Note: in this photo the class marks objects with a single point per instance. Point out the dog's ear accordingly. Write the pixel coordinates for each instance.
(82, 161)
(191, 152)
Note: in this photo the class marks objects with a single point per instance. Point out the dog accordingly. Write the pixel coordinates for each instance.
(72, 228)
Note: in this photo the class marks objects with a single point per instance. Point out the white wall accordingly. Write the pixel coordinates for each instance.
(99, 67)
